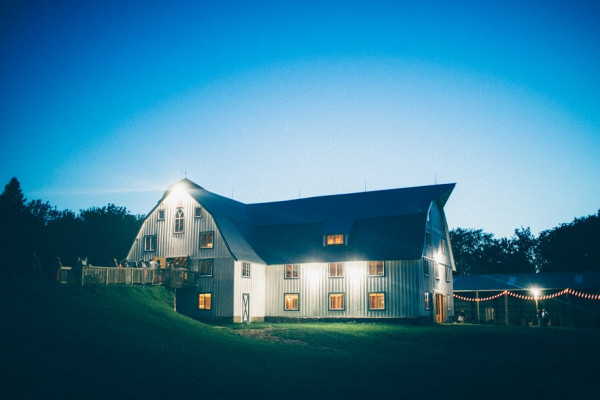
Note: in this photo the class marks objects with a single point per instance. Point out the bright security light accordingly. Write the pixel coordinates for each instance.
(535, 292)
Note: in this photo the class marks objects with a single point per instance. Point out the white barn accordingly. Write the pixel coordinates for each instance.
(369, 255)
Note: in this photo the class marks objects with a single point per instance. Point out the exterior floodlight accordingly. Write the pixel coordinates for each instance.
(535, 292)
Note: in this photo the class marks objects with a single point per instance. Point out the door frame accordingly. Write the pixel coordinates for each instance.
(440, 311)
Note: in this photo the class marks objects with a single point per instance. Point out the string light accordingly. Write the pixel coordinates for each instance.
(582, 295)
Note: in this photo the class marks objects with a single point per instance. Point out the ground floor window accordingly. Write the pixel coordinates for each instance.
(150, 243)
(376, 301)
(427, 300)
(204, 301)
(291, 302)
(336, 301)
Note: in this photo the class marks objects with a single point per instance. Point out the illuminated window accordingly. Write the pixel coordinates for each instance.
(443, 245)
(198, 212)
(291, 271)
(428, 239)
(179, 221)
(204, 301)
(150, 243)
(160, 215)
(376, 268)
(291, 302)
(206, 268)
(206, 240)
(245, 269)
(376, 301)
(334, 240)
(427, 300)
(448, 273)
(336, 270)
(336, 301)
(436, 270)
(426, 267)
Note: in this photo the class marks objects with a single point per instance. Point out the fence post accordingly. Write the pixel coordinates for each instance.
(106, 269)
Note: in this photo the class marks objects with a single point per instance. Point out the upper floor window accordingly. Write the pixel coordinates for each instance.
(198, 212)
(291, 271)
(376, 268)
(161, 214)
(246, 269)
(336, 269)
(150, 243)
(206, 240)
(179, 221)
(335, 240)
(443, 246)
(448, 274)
(428, 239)
(425, 267)
(436, 271)
(206, 268)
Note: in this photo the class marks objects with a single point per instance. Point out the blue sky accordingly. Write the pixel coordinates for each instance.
(266, 101)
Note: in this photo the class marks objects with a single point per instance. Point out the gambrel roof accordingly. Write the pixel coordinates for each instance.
(381, 225)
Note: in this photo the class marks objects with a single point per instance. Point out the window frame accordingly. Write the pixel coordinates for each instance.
(337, 267)
(212, 266)
(436, 271)
(212, 242)
(179, 221)
(428, 239)
(427, 301)
(426, 270)
(197, 212)
(246, 269)
(285, 295)
(146, 249)
(376, 294)
(443, 246)
(210, 301)
(376, 274)
(294, 268)
(447, 273)
(160, 214)
(343, 297)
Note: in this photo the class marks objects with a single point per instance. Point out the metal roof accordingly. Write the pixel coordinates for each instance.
(548, 280)
(381, 225)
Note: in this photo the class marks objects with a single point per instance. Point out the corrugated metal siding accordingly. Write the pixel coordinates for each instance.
(254, 286)
(401, 285)
(170, 244)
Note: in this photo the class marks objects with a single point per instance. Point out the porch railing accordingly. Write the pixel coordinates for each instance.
(175, 278)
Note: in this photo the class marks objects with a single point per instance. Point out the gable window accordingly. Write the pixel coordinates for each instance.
(204, 301)
(206, 268)
(448, 272)
(290, 302)
(150, 243)
(376, 301)
(160, 215)
(425, 267)
(245, 269)
(291, 271)
(427, 300)
(336, 301)
(206, 240)
(443, 245)
(334, 240)
(336, 270)
(179, 221)
(428, 239)
(198, 212)
(436, 270)
(376, 268)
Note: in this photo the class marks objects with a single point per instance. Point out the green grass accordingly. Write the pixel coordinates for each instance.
(126, 342)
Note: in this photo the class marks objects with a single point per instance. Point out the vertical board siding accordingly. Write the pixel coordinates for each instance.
(400, 284)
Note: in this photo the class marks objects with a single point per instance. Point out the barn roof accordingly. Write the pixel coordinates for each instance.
(382, 225)
(548, 280)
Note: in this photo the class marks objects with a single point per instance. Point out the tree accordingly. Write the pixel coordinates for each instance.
(14, 240)
(571, 247)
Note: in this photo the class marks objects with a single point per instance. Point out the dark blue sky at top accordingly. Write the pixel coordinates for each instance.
(110, 101)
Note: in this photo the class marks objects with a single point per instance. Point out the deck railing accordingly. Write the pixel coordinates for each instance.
(175, 278)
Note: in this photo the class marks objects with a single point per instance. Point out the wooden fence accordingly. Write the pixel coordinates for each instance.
(174, 278)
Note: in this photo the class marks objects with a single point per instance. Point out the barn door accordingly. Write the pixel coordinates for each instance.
(439, 308)
(245, 308)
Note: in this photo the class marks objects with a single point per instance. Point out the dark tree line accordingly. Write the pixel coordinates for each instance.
(33, 234)
(568, 247)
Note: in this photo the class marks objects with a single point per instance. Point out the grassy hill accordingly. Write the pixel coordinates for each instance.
(127, 342)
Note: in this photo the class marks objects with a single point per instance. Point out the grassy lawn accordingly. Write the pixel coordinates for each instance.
(127, 342)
